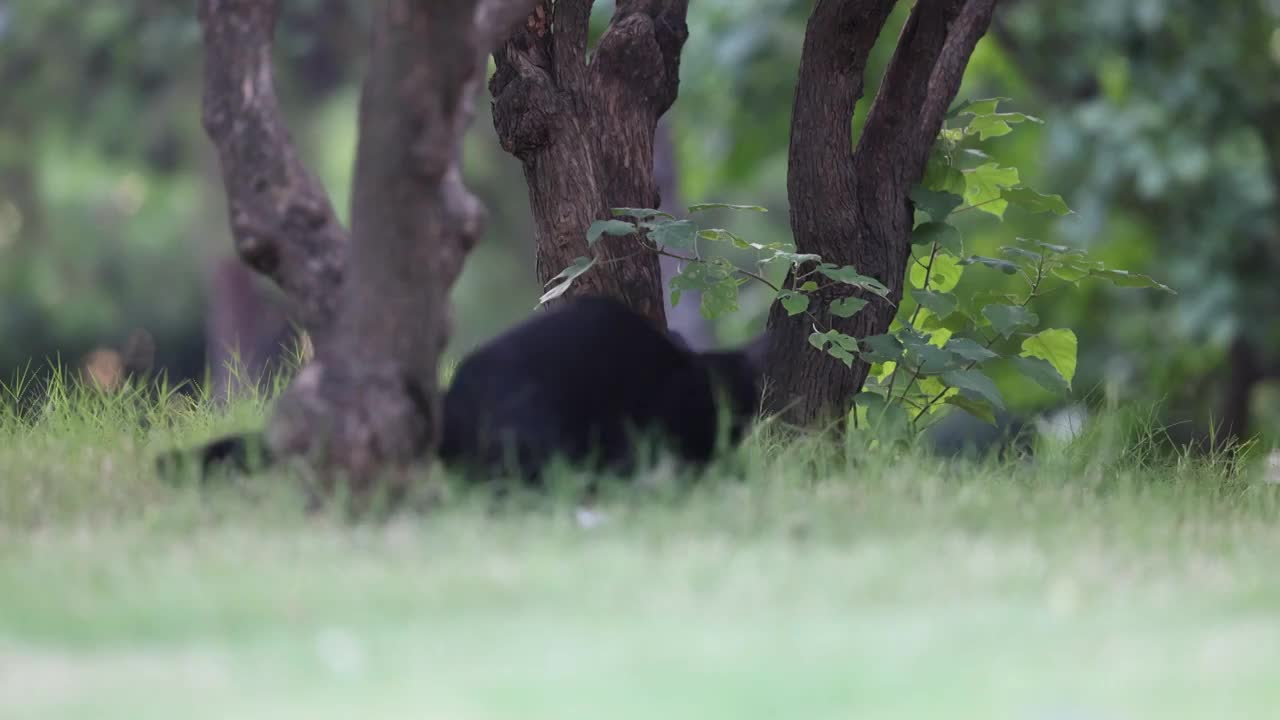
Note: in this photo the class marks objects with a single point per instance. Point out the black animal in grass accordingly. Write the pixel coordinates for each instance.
(591, 382)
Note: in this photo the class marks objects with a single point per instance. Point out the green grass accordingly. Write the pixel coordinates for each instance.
(1092, 582)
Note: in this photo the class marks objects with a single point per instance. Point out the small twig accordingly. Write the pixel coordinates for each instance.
(748, 273)
(967, 208)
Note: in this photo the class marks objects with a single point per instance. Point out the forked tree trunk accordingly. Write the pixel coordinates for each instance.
(584, 132)
(366, 405)
(849, 205)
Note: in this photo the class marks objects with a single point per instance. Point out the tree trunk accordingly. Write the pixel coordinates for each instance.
(1243, 375)
(366, 406)
(849, 205)
(584, 132)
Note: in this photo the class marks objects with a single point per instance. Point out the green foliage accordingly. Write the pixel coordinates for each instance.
(566, 278)
(934, 354)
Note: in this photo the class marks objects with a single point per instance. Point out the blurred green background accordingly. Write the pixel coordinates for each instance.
(1162, 132)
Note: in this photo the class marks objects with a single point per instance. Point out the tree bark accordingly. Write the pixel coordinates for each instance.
(366, 406)
(584, 132)
(281, 219)
(850, 205)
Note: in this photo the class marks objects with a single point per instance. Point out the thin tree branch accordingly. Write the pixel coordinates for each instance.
(889, 139)
(962, 37)
(643, 35)
(281, 218)
(838, 39)
(571, 23)
(496, 20)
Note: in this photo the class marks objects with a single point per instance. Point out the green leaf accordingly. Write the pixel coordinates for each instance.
(938, 205)
(841, 354)
(1050, 247)
(989, 125)
(1043, 373)
(1071, 273)
(958, 321)
(721, 235)
(946, 236)
(848, 342)
(940, 304)
(1032, 201)
(932, 387)
(699, 207)
(793, 303)
(944, 274)
(1124, 278)
(977, 407)
(888, 417)
(1058, 347)
(974, 384)
(939, 174)
(929, 358)
(1003, 266)
(567, 276)
(704, 277)
(720, 299)
(808, 286)
(849, 276)
(846, 307)
(610, 227)
(1033, 259)
(970, 350)
(794, 258)
(1008, 318)
(641, 213)
(679, 235)
(837, 344)
(882, 348)
(932, 360)
(983, 185)
(984, 106)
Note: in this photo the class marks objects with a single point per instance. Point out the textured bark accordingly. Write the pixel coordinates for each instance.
(849, 205)
(584, 132)
(366, 406)
(281, 219)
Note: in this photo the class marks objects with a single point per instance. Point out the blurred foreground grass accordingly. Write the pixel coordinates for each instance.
(1089, 582)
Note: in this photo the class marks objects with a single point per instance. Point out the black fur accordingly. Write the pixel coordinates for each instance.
(231, 453)
(589, 381)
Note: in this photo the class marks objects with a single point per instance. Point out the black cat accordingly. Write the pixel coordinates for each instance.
(589, 381)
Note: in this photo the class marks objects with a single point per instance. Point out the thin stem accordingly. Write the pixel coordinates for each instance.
(967, 208)
(748, 273)
(928, 272)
